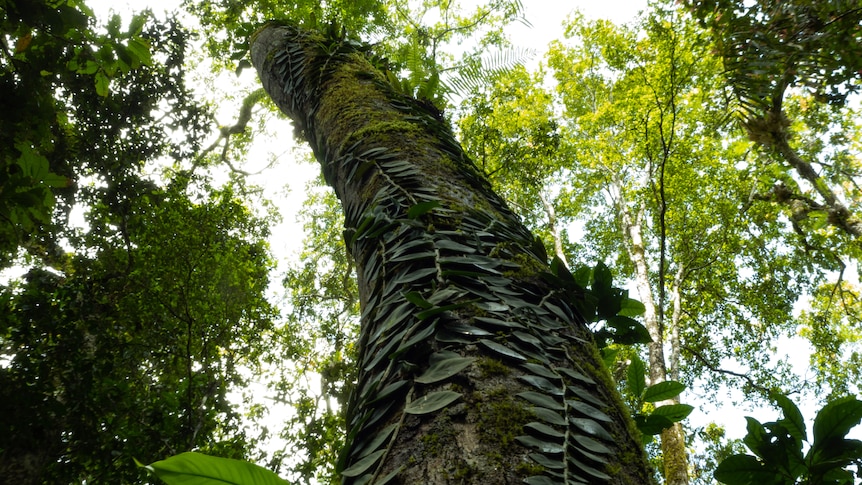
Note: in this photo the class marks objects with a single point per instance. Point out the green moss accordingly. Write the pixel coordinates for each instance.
(464, 471)
(529, 469)
(501, 418)
(492, 367)
(436, 441)
(530, 267)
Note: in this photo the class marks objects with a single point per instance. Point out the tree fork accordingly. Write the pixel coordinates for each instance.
(474, 363)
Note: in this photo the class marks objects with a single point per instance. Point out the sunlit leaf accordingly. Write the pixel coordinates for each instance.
(663, 390)
(198, 469)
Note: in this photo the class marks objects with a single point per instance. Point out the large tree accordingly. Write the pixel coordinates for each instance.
(474, 363)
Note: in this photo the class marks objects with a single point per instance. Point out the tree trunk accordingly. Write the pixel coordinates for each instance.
(673, 449)
(474, 365)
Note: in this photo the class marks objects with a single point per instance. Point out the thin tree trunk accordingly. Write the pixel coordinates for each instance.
(474, 365)
(675, 322)
(673, 449)
(554, 227)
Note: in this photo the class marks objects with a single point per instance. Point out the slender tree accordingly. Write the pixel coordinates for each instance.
(474, 363)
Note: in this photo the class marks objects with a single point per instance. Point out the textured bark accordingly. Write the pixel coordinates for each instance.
(447, 275)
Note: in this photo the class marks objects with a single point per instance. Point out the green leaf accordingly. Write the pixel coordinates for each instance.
(415, 298)
(422, 208)
(540, 444)
(663, 390)
(549, 416)
(102, 84)
(745, 470)
(360, 466)
(550, 463)
(652, 424)
(836, 419)
(636, 377)
(140, 50)
(502, 350)
(631, 308)
(541, 400)
(756, 439)
(432, 402)
(444, 369)
(545, 430)
(628, 331)
(793, 421)
(543, 385)
(674, 412)
(602, 277)
(199, 469)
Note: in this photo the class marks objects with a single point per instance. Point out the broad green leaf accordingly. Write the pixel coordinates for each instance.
(549, 463)
(102, 84)
(543, 384)
(549, 416)
(444, 369)
(663, 390)
(652, 424)
(545, 430)
(628, 331)
(636, 377)
(415, 298)
(674, 412)
(140, 49)
(198, 469)
(631, 308)
(793, 421)
(836, 419)
(756, 438)
(432, 402)
(602, 277)
(746, 470)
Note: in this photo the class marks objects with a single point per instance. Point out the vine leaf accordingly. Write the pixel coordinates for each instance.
(444, 369)
(422, 208)
(432, 402)
(364, 464)
(502, 350)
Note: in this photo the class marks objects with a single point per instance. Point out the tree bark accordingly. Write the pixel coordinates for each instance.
(474, 364)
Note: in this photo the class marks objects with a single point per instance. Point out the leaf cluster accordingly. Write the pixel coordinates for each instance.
(778, 448)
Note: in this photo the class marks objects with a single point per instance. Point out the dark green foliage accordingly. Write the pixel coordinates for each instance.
(125, 336)
(778, 448)
(132, 354)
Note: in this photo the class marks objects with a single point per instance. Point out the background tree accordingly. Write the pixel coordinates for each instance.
(127, 333)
